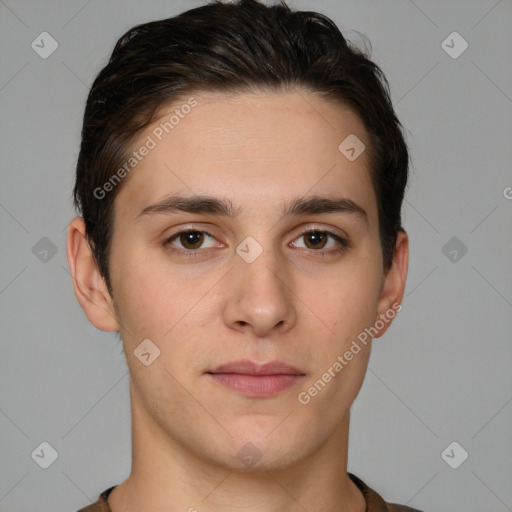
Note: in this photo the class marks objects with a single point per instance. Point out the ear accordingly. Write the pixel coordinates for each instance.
(89, 286)
(394, 284)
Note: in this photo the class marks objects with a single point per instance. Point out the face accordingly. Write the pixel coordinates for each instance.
(265, 248)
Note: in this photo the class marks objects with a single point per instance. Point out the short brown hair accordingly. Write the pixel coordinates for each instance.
(241, 46)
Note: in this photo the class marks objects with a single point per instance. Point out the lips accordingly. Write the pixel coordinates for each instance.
(257, 380)
(247, 367)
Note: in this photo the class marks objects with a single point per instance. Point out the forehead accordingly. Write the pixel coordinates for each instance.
(248, 147)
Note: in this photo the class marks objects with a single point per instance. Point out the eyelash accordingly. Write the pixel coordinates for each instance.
(192, 253)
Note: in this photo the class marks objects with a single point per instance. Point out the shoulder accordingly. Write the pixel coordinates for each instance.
(394, 507)
(375, 502)
(101, 505)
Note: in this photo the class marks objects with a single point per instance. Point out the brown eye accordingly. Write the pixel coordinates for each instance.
(191, 240)
(315, 240)
(320, 240)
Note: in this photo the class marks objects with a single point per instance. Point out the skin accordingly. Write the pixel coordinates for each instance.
(296, 303)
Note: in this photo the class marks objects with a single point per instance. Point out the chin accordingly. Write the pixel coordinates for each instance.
(261, 453)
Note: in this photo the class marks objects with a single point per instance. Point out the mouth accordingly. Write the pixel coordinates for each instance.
(254, 379)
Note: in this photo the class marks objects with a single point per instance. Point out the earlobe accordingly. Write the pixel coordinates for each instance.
(394, 284)
(88, 284)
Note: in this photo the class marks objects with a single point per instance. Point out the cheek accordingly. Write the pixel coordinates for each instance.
(145, 299)
(162, 302)
(346, 300)
(347, 303)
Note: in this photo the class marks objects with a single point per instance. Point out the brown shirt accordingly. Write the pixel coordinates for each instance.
(374, 502)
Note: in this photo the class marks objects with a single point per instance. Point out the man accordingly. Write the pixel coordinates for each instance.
(240, 180)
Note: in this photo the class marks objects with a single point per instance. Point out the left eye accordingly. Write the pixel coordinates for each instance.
(319, 240)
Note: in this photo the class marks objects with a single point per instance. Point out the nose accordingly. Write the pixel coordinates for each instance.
(260, 298)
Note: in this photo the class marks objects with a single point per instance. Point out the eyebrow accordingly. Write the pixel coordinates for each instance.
(202, 204)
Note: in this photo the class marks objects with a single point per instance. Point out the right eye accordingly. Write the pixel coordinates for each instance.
(190, 241)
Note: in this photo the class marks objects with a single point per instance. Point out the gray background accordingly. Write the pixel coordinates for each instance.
(440, 374)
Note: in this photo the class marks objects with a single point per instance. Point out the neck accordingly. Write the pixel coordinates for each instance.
(166, 475)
